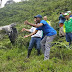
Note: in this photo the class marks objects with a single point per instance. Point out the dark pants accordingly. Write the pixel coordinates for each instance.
(69, 37)
(35, 41)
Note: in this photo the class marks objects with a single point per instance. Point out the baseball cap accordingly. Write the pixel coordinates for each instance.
(38, 16)
(68, 11)
(65, 14)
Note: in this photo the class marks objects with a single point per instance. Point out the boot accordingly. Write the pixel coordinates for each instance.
(29, 52)
(38, 52)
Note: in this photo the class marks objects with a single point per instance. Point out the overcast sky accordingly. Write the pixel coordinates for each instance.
(4, 1)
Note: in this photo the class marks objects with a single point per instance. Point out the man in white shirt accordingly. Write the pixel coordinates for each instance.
(35, 39)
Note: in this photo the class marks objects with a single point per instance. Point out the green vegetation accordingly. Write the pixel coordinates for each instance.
(13, 58)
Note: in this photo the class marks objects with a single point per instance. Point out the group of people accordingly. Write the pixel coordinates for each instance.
(42, 34)
(40, 29)
(65, 24)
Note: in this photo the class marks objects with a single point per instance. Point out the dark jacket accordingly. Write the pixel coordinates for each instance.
(61, 19)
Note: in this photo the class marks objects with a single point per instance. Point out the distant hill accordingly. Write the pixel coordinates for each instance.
(9, 2)
(19, 12)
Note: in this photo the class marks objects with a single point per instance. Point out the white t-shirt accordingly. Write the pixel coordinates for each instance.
(38, 34)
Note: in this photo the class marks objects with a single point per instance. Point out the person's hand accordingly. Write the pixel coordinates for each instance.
(26, 36)
(23, 30)
(26, 22)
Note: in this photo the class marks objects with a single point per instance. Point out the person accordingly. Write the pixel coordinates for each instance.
(68, 28)
(61, 23)
(69, 14)
(49, 32)
(45, 18)
(35, 40)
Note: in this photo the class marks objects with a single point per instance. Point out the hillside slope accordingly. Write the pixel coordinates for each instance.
(13, 58)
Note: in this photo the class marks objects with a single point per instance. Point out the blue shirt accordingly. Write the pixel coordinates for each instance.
(47, 29)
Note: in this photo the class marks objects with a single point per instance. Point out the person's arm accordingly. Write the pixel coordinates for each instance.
(34, 25)
(24, 29)
(31, 34)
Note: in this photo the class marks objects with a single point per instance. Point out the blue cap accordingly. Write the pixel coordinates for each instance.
(38, 16)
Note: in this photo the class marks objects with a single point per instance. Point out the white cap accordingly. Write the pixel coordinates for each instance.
(68, 11)
(65, 14)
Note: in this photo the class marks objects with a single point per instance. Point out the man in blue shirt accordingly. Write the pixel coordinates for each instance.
(48, 31)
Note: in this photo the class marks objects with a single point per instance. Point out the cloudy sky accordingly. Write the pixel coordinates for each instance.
(4, 1)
